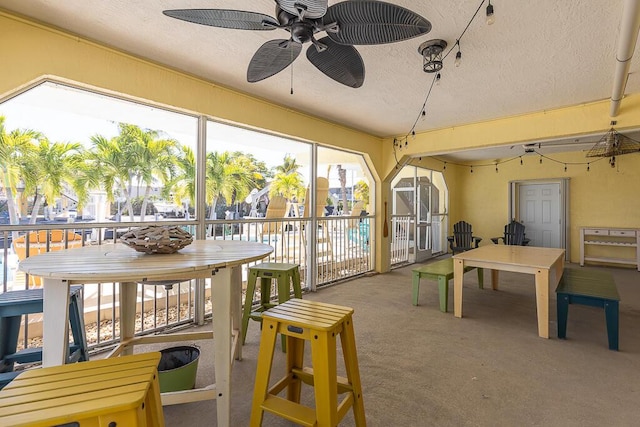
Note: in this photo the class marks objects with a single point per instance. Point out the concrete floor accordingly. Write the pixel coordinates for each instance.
(421, 367)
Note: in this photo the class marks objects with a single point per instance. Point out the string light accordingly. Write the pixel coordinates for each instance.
(437, 76)
(444, 166)
(495, 164)
(521, 161)
(490, 16)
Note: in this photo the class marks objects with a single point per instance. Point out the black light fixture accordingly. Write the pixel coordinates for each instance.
(491, 18)
(431, 52)
(458, 55)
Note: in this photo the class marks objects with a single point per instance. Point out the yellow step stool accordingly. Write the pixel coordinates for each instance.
(287, 276)
(302, 320)
(116, 392)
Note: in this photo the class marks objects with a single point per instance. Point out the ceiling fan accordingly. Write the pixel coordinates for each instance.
(348, 23)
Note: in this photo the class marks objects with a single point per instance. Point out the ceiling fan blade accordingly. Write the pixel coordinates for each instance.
(313, 9)
(342, 63)
(225, 18)
(363, 22)
(271, 58)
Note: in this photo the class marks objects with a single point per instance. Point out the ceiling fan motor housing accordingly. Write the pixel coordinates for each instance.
(302, 31)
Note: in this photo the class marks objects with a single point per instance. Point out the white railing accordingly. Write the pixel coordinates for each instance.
(343, 250)
(400, 239)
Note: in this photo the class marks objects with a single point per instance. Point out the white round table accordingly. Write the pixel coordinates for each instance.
(219, 260)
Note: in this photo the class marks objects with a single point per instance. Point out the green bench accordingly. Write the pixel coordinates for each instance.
(442, 271)
(593, 288)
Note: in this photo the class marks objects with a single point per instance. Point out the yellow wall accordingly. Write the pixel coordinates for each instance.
(601, 197)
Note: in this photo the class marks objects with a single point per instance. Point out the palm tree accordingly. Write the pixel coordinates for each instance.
(154, 158)
(13, 145)
(112, 164)
(229, 175)
(342, 176)
(288, 166)
(290, 186)
(47, 169)
(361, 192)
(183, 184)
(288, 182)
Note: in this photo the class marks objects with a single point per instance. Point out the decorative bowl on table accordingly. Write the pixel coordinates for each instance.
(157, 239)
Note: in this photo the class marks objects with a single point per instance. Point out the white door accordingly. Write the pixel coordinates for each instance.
(540, 211)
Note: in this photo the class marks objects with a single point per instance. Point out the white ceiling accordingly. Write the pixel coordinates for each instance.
(538, 55)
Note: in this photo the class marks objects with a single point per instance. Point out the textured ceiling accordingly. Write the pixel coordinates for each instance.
(536, 56)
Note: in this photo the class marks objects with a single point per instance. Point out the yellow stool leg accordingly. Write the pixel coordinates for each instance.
(347, 338)
(248, 301)
(153, 404)
(284, 291)
(263, 370)
(295, 360)
(325, 379)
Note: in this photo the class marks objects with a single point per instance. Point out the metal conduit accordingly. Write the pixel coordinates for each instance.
(629, 27)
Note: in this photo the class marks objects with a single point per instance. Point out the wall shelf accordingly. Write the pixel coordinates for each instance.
(611, 237)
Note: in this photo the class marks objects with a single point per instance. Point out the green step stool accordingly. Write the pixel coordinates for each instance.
(442, 271)
(286, 275)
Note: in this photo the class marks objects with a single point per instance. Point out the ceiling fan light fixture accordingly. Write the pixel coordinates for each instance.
(431, 52)
(490, 16)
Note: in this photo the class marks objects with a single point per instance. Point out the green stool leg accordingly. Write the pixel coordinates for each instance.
(297, 288)
(480, 278)
(248, 301)
(443, 289)
(284, 291)
(265, 293)
(416, 287)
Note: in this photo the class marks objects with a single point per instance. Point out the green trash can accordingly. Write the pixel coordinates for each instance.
(178, 368)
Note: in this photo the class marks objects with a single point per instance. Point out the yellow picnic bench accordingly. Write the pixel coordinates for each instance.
(442, 271)
(120, 391)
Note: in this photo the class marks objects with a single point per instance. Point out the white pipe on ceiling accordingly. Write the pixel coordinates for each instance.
(629, 27)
